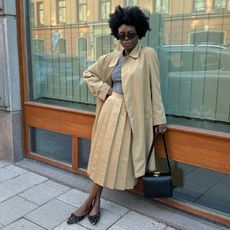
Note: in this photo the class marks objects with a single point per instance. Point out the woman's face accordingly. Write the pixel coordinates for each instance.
(128, 37)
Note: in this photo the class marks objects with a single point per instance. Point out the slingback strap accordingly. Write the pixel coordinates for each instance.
(165, 148)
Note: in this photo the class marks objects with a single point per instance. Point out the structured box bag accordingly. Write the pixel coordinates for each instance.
(157, 184)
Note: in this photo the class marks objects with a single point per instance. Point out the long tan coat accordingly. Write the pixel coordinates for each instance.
(142, 96)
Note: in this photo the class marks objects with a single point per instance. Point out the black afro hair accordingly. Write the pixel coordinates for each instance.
(132, 16)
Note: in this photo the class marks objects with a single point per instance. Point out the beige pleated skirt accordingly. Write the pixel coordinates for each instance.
(110, 163)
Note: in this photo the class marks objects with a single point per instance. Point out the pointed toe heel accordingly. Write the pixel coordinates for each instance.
(95, 218)
(73, 219)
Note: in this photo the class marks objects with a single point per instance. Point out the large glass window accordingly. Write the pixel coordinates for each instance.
(194, 54)
(193, 51)
(52, 145)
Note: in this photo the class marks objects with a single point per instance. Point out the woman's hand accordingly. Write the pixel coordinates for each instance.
(160, 128)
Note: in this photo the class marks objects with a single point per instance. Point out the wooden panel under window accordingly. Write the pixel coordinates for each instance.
(214, 154)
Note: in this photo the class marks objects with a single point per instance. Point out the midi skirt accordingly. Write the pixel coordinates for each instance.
(110, 163)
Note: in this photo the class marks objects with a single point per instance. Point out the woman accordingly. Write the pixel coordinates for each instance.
(127, 87)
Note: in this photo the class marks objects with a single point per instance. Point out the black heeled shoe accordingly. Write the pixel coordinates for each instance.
(95, 218)
(74, 219)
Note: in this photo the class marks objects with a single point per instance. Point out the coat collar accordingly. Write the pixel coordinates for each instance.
(134, 54)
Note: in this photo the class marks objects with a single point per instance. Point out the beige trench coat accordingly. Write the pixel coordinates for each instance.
(142, 96)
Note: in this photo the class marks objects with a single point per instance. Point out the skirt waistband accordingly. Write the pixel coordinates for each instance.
(117, 95)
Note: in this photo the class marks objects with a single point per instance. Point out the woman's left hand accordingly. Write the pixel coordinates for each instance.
(160, 128)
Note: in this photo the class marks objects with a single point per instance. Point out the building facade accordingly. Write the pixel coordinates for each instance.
(10, 99)
(57, 39)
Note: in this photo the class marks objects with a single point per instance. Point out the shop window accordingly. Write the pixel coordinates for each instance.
(40, 13)
(83, 152)
(104, 9)
(50, 144)
(61, 11)
(195, 89)
(82, 10)
(201, 187)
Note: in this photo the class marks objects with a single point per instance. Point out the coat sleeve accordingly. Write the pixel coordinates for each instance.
(157, 104)
(94, 76)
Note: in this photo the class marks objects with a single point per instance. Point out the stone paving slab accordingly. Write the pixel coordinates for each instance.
(14, 209)
(65, 226)
(17, 185)
(112, 207)
(116, 227)
(3, 164)
(107, 219)
(15, 169)
(6, 175)
(44, 192)
(23, 224)
(135, 221)
(51, 214)
(73, 197)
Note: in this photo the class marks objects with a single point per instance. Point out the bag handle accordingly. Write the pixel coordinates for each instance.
(165, 147)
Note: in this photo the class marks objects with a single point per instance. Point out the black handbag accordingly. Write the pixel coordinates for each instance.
(157, 184)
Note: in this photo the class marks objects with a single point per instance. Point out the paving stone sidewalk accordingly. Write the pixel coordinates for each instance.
(29, 201)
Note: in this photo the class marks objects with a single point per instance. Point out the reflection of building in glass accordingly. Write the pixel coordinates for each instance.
(192, 34)
(82, 24)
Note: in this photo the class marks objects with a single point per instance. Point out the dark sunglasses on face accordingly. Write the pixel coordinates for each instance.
(129, 35)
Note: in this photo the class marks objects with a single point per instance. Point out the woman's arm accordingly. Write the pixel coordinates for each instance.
(94, 78)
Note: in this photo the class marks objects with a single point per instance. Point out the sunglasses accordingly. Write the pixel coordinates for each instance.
(129, 35)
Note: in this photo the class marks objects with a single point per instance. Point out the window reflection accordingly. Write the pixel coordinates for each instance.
(40, 13)
(82, 10)
(162, 6)
(61, 8)
(193, 48)
(105, 9)
(51, 145)
(199, 5)
(219, 4)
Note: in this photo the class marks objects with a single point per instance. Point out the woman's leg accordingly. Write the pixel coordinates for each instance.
(97, 202)
(92, 201)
